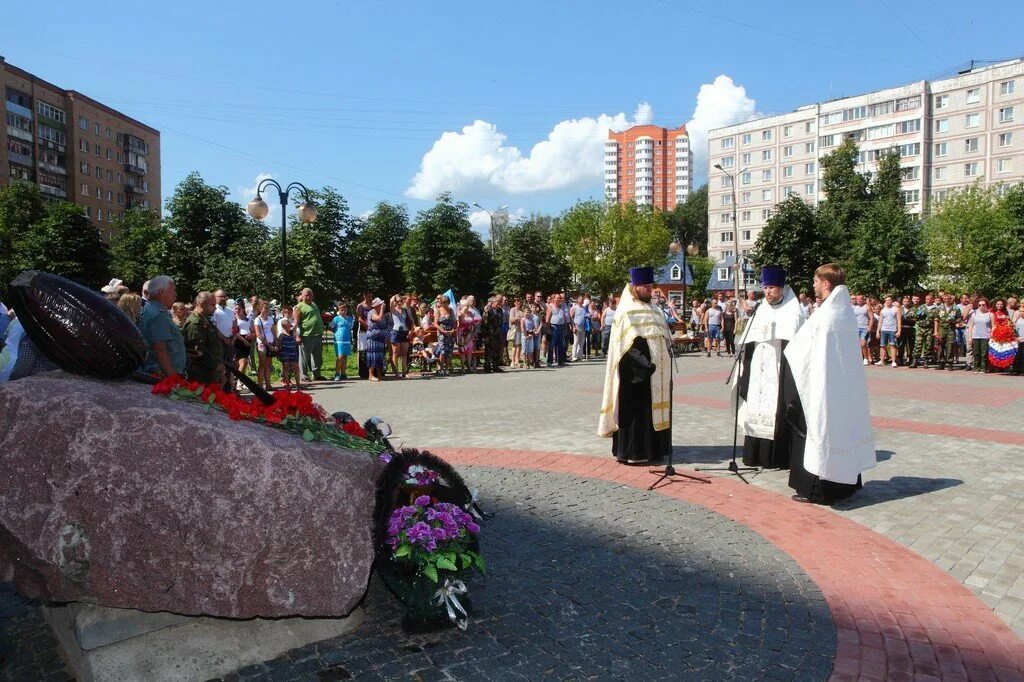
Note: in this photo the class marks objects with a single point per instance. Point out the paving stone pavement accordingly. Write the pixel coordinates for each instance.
(949, 445)
(592, 580)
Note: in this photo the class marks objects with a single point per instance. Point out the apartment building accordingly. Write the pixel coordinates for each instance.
(949, 133)
(649, 165)
(77, 149)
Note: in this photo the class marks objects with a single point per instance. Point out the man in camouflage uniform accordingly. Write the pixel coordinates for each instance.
(203, 346)
(494, 341)
(925, 330)
(947, 318)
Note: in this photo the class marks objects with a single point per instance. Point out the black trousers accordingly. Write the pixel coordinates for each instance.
(906, 345)
(980, 350)
(1018, 361)
(730, 341)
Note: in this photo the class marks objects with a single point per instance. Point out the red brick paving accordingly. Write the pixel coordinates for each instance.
(982, 394)
(897, 616)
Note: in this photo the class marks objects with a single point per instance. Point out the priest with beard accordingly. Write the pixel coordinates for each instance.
(831, 420)
(764, 384)
(636, 410)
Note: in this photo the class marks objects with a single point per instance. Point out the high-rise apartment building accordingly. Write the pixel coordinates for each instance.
(77, 149)
(648, 165)
(949, 133)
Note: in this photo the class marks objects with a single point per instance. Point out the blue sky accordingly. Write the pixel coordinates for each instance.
(395, 101)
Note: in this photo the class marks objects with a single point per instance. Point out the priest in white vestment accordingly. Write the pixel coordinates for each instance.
(763, 381)
(834, 419)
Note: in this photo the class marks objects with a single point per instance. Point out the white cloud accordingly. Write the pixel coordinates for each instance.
(478, 158)
(720, 103)
(245, 194)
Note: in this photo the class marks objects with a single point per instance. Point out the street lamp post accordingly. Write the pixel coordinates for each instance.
(306, 212)
(735, 232)
(490, 217)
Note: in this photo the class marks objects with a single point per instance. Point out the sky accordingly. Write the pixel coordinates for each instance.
(499, 103)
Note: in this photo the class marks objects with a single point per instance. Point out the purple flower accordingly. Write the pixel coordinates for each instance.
(420, 532)
(472, 527)
(385, 457)
(423, 501)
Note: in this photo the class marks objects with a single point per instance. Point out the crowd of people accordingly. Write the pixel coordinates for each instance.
(444, 335)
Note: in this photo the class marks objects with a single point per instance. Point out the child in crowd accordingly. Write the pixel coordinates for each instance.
(341, 325)
(288, 353)
(529, 323)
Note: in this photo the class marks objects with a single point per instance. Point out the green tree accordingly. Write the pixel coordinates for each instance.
(526, 261)
(702, 268)
(21, 207)
(846, 192)
(442, 251)
(600, 242)
(138, 247)
(973, 243)
(791, 240)
(688, 221)
(317, 250)
(66, 243)
(249, 267)
(202, 225)
(885, 253)
(375, 252)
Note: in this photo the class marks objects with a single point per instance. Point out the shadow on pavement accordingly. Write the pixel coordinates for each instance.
(896, 488)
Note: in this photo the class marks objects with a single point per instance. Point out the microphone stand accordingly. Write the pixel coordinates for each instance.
(669, 472)
(733, 467)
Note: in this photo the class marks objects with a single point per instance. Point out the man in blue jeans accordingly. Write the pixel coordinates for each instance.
(556, 320)
(860, 310)
(712, 323)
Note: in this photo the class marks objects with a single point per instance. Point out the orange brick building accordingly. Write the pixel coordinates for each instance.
(649, 165)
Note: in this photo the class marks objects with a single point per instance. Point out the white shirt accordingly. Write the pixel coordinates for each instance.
(224, 318)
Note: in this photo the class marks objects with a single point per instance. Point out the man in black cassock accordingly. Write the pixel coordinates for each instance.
(764, 384)
(636, 410)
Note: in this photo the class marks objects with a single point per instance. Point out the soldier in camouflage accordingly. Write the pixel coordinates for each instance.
(494, 340)
(925, 328)
(946, 320)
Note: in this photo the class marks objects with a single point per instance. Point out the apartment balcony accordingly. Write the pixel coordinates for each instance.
(134, 144)
(53, 191)
(59, 170)
(16, 108)
(22, 159)
(132, 168)
(20, 134)
(137, 189)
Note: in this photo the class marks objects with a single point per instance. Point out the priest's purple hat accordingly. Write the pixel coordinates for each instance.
(641, 276)
(773, 277)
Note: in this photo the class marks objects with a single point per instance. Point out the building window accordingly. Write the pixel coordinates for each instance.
(110, 195)
(766, 136)
(96, 128)
(745, 235)
(766, 213)
(97, 150)
(973, 96)
(725, 237)
(726, 200)
(938, 172)
(745, 178)
(766, 155)
(1006, 88)
(809, 168)
(766, 195)
(911, 126)
(908, 103)
(941, 101)
(120, 158)
(723, 273)
(120, 199)
(726, 218)
(809, 148)
(1005, 139)
(745, 158)
(910, 173)
(912, 149)
(99, 215)
(85, 189)
(120, 178)
(110, 154)
(911, 196)
(1004, 165)
(766, 175)
(942, 125)
(809, 127)
(809, 189)
(84, 167)
(110, 176)
(745, 139)
(50, 111)
(99, 193)
(83, 123)
(787, 172)
(788, 192)
(726, 181)
(88, 212)
(676, 273)
(972, 120)
(971, 144)
(1006, 115)
(107, 133)
(745, 216)
(941, 149)
(787, 151)
(726, 162)
(828, 141)
(99, 173)
(728, 142)
(970, 170)
(787, 131)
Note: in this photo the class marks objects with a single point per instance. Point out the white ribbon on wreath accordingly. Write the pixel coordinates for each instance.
(448, 594)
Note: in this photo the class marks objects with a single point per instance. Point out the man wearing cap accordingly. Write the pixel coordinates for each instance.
(832, 438)
(763, 381)
(636, 410)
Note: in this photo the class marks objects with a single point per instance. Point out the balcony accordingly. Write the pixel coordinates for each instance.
(53, 191)
(25, 135)
(59, 170)
(135, 144)
(132, 168)
(23, 159)
(138, 189)
(15, 108)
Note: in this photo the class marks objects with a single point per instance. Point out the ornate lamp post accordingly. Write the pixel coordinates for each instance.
(306, 212)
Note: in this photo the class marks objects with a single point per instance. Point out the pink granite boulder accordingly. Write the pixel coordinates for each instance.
(114, 496)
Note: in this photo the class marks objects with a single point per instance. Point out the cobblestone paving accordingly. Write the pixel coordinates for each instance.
(949, 446)
(591, 580)
(28, 650)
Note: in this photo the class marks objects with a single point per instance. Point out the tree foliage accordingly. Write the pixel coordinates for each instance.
(375, 252)
(846, 196)
(138, 247)
(526, 261)
(688, 221)
(317, 251)
(66, 243)
(600, 242)
(791, 240)
(975, 241)
(442, 251)
(21, 207)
